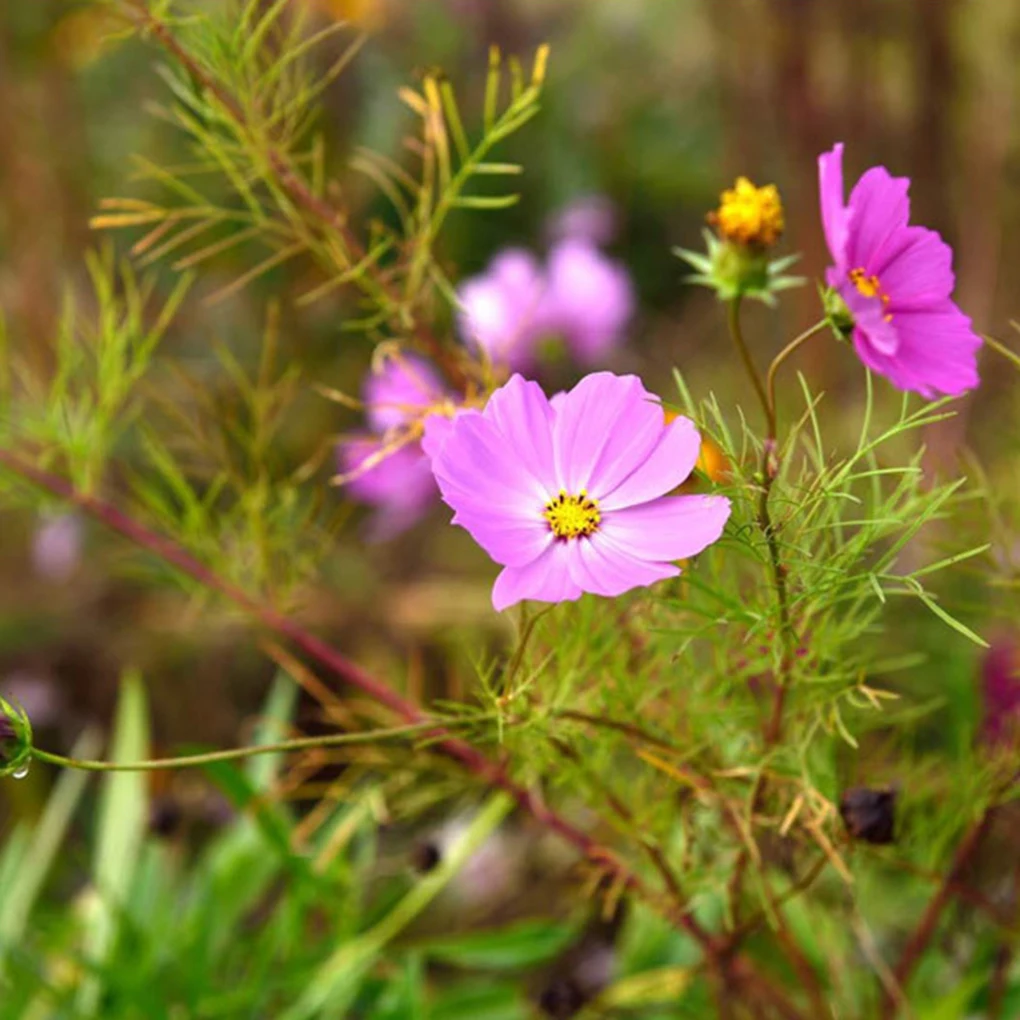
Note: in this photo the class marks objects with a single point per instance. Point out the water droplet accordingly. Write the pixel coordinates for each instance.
(20, 772)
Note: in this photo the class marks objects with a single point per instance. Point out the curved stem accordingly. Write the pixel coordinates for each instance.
(777, 361)
(233, 754)
(733, 318)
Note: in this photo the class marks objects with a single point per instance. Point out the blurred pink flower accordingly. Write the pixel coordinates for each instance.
(499, 309)
(896, 281)
(399, 485)
(400, 390)
(1001, 692)
(591, 219)
(56, 547)
(588, 300)
(570, 497)
(386, 467)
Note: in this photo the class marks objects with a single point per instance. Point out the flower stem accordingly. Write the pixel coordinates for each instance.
(233, 754)
(733, 317)
(773, 729)
(777, 361)
(1000, 348)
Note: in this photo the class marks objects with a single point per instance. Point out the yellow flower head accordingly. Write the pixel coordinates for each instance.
(750, 215)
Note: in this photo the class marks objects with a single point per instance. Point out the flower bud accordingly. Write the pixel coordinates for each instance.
(748, 222)
(15, 740)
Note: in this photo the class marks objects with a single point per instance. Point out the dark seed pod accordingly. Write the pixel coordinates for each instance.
(425, 857)
(869, 815)
(561, 999)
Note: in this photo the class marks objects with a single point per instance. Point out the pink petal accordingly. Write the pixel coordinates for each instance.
(662, 469)
(509, 540)
(937, 353)
(918, 270)
(403, 386)
(523, 414)
(605, 426)
(545, 579)
(671, 528)
(875, 331)
(602, 567)
(476, 462)
(834, 214)
(879, 208)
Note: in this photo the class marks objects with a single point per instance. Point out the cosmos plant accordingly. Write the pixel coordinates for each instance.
(691, 711)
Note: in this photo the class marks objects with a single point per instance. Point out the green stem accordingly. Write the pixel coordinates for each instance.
(777, 361)
(1001, 348)
(733, 309)
(234, 754)
(525, 630)
(773, 729)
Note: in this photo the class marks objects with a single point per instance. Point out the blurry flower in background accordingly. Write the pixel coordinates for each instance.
(591, 219)
(56, 547)
(580, 296)
(569, 497)
(1000, 674)
(369, 15)
(500, 309)
(894, 282)
(588, 300)
(386, 468)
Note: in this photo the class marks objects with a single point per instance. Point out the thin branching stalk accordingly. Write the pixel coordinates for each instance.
(290, 181)
(769, 469)
(718, 954)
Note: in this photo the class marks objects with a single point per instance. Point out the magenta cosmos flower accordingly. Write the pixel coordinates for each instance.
(569, 495)
(1001, 692)
(896, 281)
(386, 468)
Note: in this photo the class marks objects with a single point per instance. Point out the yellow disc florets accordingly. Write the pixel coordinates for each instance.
(572, 516)
(750, 215)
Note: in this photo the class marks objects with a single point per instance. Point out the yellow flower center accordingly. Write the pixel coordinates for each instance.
(750, 215)
(869, 286)
(572, 516)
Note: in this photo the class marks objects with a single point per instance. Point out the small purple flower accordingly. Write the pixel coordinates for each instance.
(588, 300)
(896, 281)
(397, 394)
(591, 219)
(499, 310)
(1001, 690)
(396, 481)
(570, 497)
(386, 468)
(56, 547)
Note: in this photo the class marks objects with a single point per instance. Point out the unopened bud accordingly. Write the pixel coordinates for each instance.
(15, 740)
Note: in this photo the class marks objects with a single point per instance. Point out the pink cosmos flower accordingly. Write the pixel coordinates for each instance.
(896, 280)
(1001, 692)
(386, 467)
(499, 310)
(570, 497)
(588, 299)
(398, 482)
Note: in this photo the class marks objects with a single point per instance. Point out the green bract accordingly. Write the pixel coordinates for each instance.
(735, 270)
